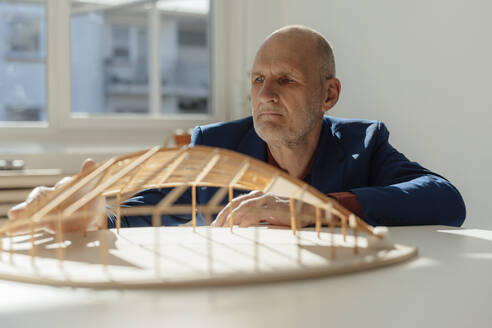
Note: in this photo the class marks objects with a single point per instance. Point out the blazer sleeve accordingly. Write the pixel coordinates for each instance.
(196, 137)
(402, 192)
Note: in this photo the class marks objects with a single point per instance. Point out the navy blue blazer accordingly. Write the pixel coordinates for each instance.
(352, 155)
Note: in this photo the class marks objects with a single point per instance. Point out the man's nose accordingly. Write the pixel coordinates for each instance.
(268, 92)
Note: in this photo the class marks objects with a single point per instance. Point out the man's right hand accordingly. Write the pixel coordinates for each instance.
(92, 216)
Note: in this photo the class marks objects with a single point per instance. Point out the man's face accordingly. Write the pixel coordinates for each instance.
(286, 90)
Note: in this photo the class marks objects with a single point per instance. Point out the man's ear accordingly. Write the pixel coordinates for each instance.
(331, 93)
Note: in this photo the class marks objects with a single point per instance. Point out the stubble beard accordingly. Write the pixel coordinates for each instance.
(276, 134)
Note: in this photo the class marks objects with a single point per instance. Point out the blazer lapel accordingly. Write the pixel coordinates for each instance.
(328, 168)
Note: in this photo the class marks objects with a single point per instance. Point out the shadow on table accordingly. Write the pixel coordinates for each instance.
(75, 247)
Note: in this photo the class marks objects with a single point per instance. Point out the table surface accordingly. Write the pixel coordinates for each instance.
(448, 285)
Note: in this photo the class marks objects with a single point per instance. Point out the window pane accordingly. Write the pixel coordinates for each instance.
(110, 57)
(22, 61)
(185, 56)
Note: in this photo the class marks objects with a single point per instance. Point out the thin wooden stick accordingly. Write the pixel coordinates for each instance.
(175, 209)
(193, 207)
(231, 195)
(331, 223)
(219, 195)
(32, 251)
(84, 220)
(103, 244)
(118, 212)
(318, 221)
(292, 215)
(100, 188)
(208, 167)
(170, 198)
(203, 173)
(11, 244)
(209, 163)
(293, 209)
(69, 192)
(362, 225)
(353, 225)
(38, 211)
(156, 218)
(299, 194)
(173, 163)
(271, 183)
(59, 237)
(135, 174)
(164, 204)
(356, 247)
(344, 228)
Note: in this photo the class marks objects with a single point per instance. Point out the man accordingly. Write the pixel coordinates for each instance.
(293, 85)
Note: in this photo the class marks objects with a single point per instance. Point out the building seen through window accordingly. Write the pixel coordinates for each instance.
(110, 58)
(22, 61)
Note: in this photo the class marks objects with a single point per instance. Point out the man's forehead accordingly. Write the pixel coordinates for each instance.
(278, 66)
(284, 55)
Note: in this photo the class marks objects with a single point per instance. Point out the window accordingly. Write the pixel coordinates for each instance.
(121, 43)
(111, 60)
(192, 38)
(22, 64)
(96, 78)
(25, 36)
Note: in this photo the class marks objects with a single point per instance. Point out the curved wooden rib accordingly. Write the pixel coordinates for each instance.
(181, 168)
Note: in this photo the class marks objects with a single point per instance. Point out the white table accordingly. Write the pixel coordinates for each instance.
(448, 285)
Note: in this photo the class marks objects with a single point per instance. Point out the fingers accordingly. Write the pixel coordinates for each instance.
(268, 207)
(25, 209)
(19, 210)
(63, 181)
(22, 227)
(247, 210)
(255, 207)
(223, 214)
(92, 217)
(15, 212)
(88, 165)
(247, 213)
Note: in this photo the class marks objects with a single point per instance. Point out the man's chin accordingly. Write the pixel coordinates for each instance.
(269, 131)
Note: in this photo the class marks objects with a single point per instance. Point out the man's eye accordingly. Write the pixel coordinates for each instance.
(259, 79)
(286, 80)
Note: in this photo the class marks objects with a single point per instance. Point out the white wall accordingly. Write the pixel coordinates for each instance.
(422, 67)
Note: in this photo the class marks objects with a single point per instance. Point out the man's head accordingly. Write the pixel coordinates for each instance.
(292, 85)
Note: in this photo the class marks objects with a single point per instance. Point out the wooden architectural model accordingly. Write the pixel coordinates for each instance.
(190, 255)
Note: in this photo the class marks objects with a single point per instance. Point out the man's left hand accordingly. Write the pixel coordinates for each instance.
(256, 206)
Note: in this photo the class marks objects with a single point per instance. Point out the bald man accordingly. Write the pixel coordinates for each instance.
(293, 85)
